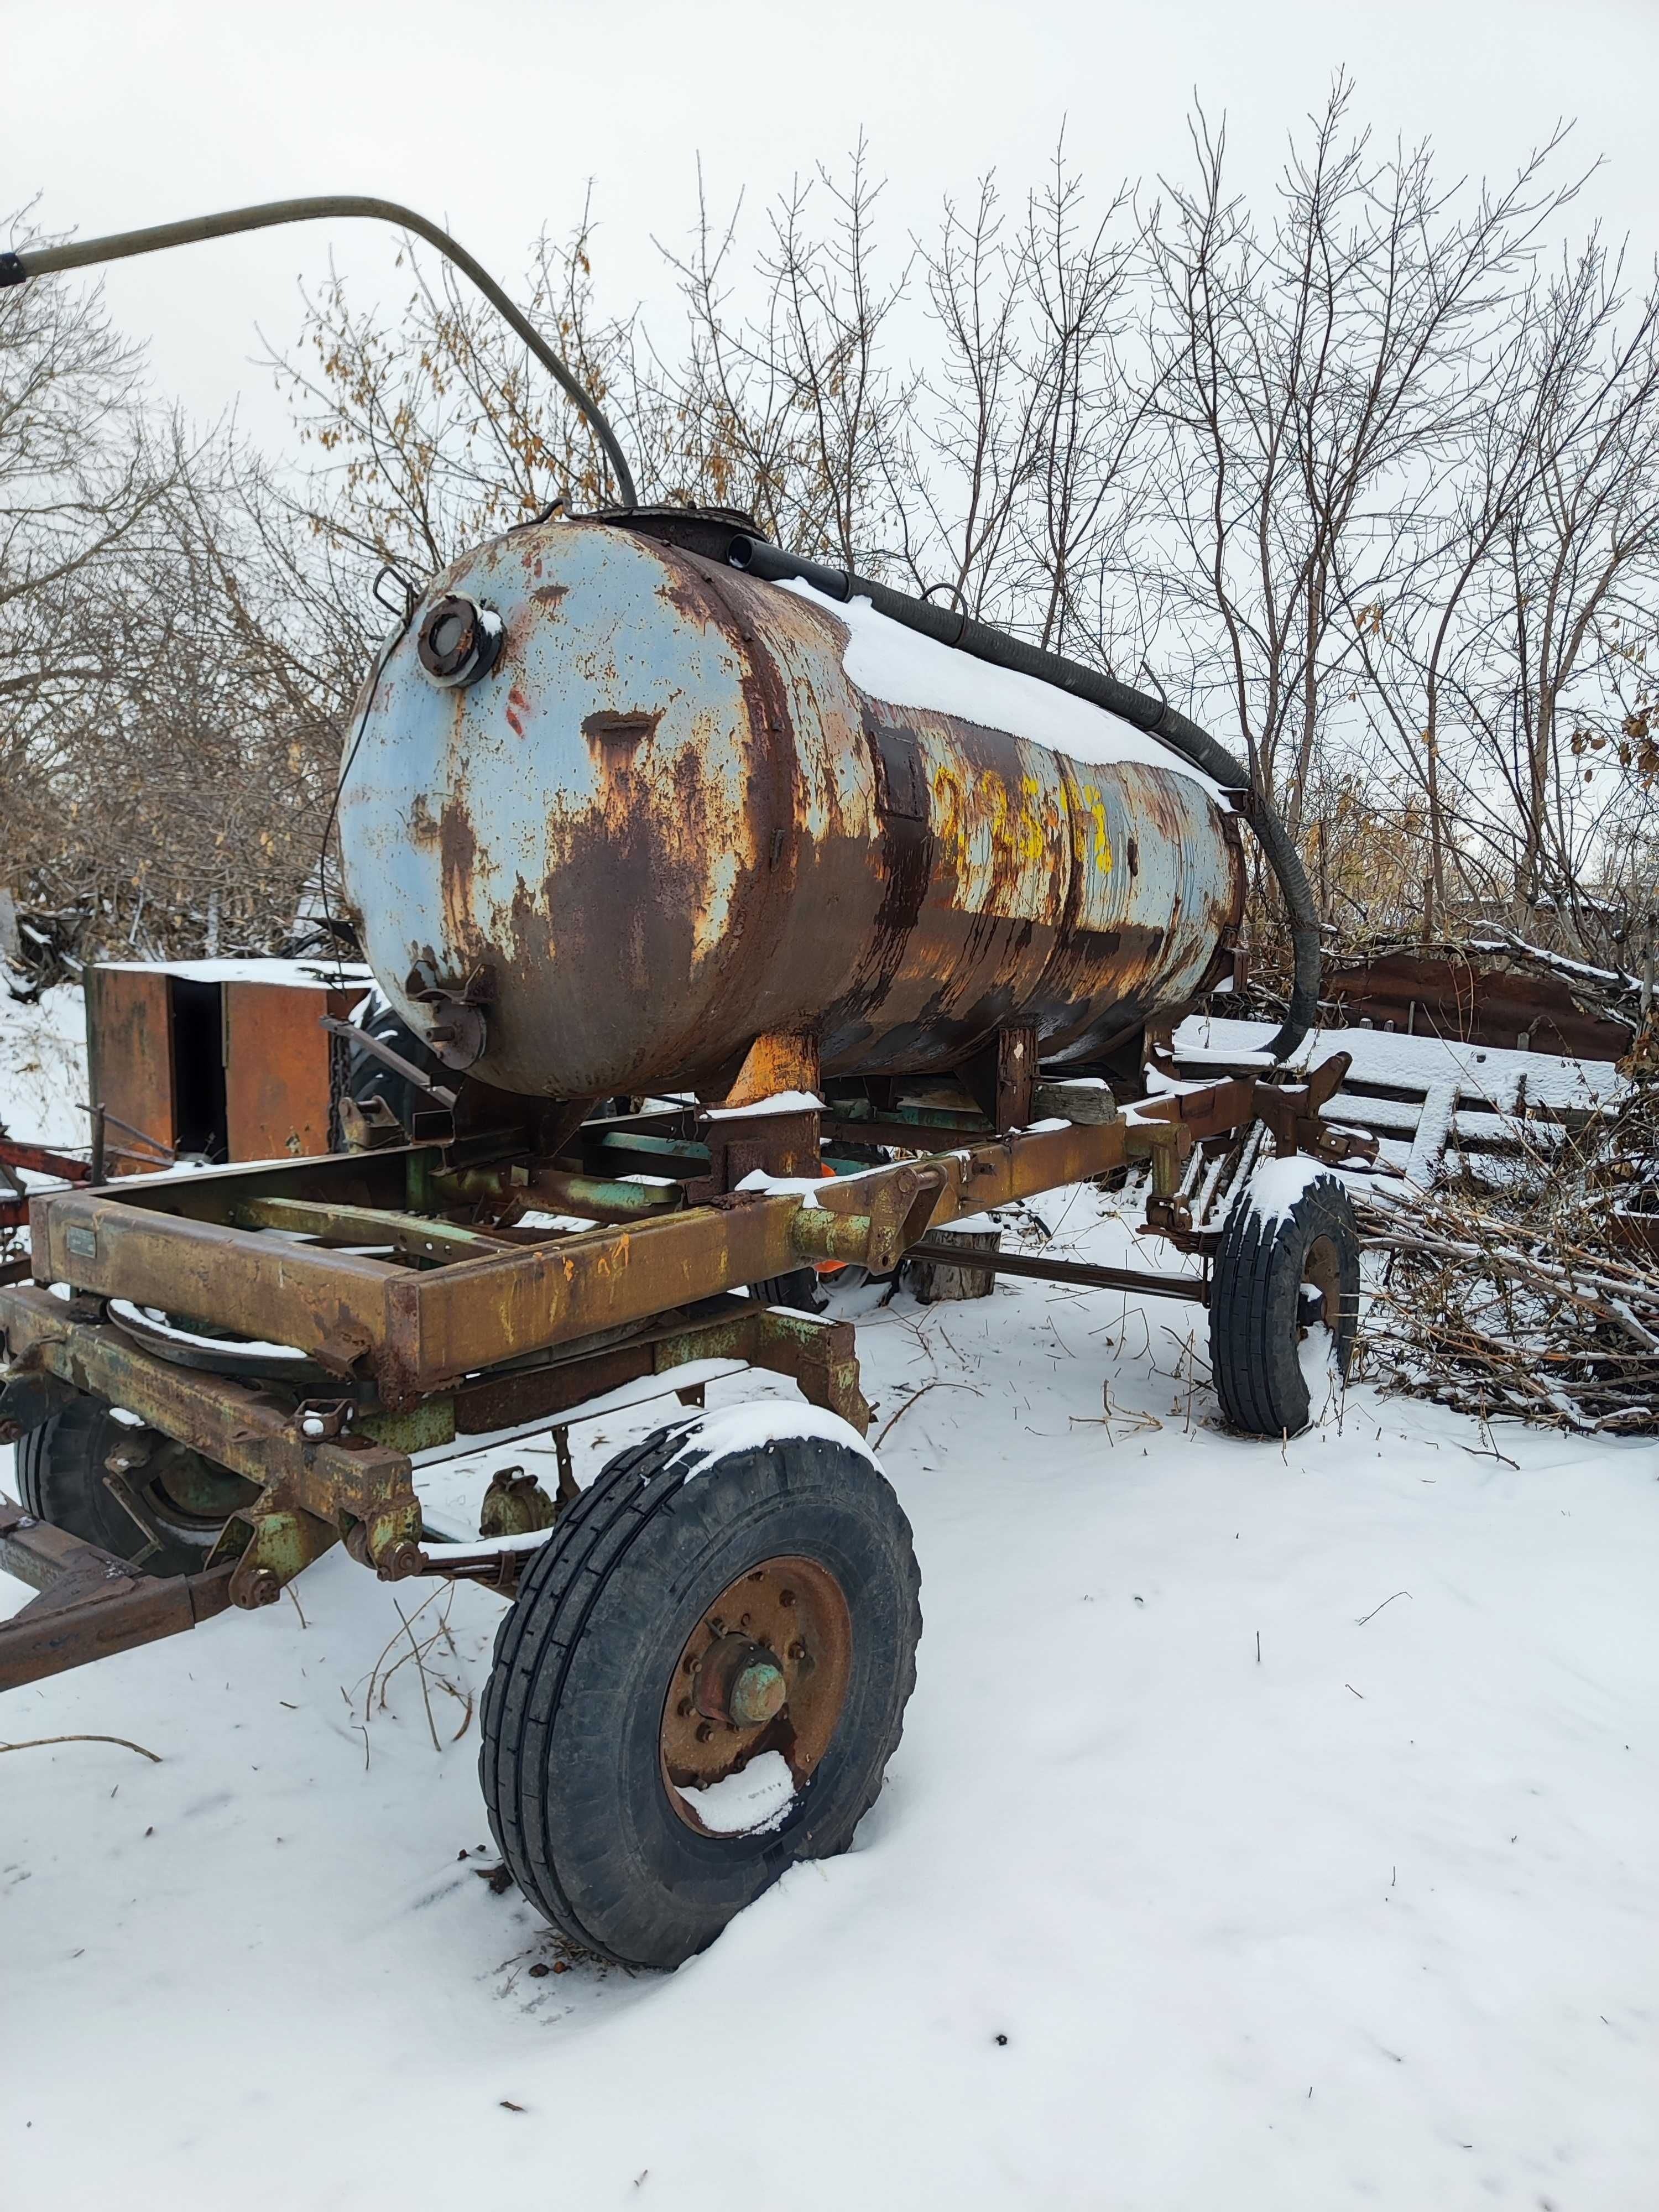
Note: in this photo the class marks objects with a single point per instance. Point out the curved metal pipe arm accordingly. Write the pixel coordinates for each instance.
(82, 253)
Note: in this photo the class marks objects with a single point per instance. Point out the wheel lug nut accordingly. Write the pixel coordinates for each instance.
(684, 1708)
(704, 1731)
(786, 1597)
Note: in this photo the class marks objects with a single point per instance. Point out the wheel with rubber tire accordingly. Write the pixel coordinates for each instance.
(799, 1289)
(701, 1680)
(163, 1513)
(1284, 1300)
(368, 1079)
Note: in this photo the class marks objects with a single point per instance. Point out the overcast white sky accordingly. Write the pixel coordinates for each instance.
(496, 114)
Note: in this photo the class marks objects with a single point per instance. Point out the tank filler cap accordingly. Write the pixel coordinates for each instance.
(459, 643)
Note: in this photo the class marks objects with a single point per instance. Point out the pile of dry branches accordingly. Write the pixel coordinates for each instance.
(1542, 1302)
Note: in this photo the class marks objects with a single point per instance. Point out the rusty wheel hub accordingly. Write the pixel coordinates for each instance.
(1322, 1286)
(765, 1669)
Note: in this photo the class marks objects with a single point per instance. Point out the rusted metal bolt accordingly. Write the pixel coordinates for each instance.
(735, 1683)
(759, 1693)
(401, 1560)
(786, 1597)
(797, 1651)
(684, 1708)
(705, 1729)
(263, 1587)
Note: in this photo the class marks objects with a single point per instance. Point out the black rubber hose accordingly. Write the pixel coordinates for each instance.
(1155, 716)
(45, 261)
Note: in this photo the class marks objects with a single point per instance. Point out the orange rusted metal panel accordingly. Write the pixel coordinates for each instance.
(1477, 1001)
(130, 1061)
(774, 1063)
(276, 1068)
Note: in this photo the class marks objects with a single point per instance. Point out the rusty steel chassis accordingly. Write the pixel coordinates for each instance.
(471, 1330)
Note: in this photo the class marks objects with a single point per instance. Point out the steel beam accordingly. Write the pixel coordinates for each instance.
(91, 1605)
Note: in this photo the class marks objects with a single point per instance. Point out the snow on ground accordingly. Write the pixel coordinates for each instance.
(1288, 1809)
(43, 1067)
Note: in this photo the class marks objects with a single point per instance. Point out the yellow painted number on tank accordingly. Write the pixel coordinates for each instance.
(1096, 808)
(1016, 826)
(948, 826)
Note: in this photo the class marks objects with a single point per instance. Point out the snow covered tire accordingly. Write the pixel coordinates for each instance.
(1275, 1276)
(577, 1710)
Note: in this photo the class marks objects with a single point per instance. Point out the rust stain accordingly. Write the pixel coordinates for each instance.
(458, 849)
(609, 733)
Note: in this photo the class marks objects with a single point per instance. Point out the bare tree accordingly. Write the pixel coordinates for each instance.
(81, 483)
(787, 410)
(434, 427)
(1312, 373)
(1572, 604)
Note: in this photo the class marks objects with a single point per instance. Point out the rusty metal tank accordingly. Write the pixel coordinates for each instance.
(640, 808)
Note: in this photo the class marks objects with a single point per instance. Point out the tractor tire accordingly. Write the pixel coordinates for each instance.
(179, 1500)
(799, 1289)
(368, 1079)
(701, 1680)
(1277, 1278)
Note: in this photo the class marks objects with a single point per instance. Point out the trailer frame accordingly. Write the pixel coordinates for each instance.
(464, 1325)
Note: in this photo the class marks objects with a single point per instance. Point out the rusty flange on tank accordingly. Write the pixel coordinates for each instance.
(766, 1669)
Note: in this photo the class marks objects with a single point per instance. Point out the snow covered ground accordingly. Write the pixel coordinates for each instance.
(1273, 1828)
(43, 1067)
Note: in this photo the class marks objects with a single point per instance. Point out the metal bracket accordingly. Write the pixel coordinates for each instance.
(91, 1604)
(28, 1400)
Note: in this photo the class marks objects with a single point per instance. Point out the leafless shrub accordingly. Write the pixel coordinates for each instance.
(1541, 1304)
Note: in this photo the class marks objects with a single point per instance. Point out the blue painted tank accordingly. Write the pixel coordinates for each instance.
(646, 808)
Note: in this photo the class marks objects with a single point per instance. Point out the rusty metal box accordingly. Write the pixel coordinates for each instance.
(217, 1060)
